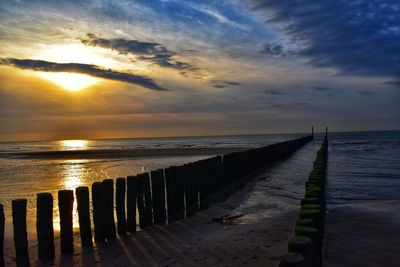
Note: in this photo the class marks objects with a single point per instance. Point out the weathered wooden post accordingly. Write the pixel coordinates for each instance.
(20, 233)
(302, 245)
(171, 196)
(120, 202)
(190, 189)
(158, 192)
(108, 198)
(65, 207)
(131, 199)
(148, 202)
(180, 192)
(2, 225)
(98, 217)
(140, 201)
(292, 260)
(82, 198)
(44, 226)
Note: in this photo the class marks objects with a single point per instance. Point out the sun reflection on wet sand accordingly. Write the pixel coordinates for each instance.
(73, 174)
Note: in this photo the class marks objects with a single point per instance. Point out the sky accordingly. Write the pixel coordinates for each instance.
(117, 69)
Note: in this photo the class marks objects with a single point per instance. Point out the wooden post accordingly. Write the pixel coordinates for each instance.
(148, 202)
(190, 190)
(65, 207)
(131, 199)
(180, 192)
(98, 217)
(120, 202)
(108, 198)
(158, 192)
(303, 246)
(140, 201)
(82, 198)
(2, 225)
(171, 197)
(20, 233)
(292, 260)
(44, 226)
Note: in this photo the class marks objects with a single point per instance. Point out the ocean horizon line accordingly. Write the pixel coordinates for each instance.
(195, 136)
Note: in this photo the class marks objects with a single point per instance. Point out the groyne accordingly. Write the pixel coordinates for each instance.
(305, 249)
(160, 197)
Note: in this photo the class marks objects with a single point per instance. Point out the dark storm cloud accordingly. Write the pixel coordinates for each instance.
(92, 70)
(321, 88)
(147, 51)
(356, 37)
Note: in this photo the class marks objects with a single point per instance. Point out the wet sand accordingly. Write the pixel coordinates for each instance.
(363, 236)
(267, 208)
(127, 153)
(252, 239)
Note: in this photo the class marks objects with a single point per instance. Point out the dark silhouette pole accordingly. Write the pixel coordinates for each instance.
(82, 198)
(20, 233)
(98, 217)
(108, 197)
(65, 206)
(44, 226)
(120, 202)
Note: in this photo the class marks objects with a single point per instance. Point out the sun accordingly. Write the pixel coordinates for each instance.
(73, 53)
(72, 82)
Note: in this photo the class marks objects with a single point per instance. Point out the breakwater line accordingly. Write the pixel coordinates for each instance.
(187, 189)
(305, 249)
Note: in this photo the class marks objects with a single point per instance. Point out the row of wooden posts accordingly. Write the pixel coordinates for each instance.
(305, 249)
(160, 197)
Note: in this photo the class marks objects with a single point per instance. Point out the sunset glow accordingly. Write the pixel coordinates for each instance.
(167, 67)
(70, 81)
(73, 144)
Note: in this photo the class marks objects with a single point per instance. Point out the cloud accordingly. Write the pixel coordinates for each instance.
(223, 84)
(273, 49)
(394, 83)
(147, 51)
(359, 38)
(92, 70)
(274, 92)
(321, 88)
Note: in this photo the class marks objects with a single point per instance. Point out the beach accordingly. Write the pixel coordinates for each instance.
(362, 218)
(264, 212)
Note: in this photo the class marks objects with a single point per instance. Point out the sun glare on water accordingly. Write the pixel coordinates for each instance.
(73, 144)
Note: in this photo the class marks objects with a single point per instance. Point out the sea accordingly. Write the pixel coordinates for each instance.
(363, 168)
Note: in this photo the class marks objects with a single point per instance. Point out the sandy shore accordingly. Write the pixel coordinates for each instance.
(251, 240)
(126, 153)
(267, 208)
(360, 235)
